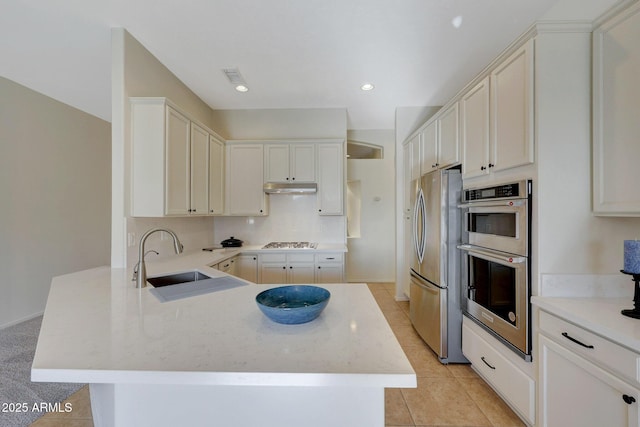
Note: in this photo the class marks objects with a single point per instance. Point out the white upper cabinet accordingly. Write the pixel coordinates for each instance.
(428, 148)
(216, 176)
(289, 162)
(177, 163)
(199, 200)
(448, 137)
(170, 161)
(244, 180)
(330, 164)
(616, 114)
(512, 110)
(474, 112)
(497, 117)
(439, 142)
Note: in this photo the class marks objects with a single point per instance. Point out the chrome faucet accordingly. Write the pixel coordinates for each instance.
(141, 276)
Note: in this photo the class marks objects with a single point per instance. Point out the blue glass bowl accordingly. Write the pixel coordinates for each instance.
(292, 305)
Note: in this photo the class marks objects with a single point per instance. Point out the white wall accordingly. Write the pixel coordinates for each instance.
(371, 256)
(136, 72)
(55, 175)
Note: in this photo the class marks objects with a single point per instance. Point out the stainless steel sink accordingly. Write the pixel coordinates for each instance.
(176, 278)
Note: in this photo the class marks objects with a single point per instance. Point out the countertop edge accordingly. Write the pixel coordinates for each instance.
(599, 315)
(386, 380)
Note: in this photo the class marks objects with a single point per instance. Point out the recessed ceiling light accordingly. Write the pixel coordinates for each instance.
(367, 86)
(236, 79)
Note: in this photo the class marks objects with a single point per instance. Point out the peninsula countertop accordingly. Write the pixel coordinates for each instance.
(98, 328)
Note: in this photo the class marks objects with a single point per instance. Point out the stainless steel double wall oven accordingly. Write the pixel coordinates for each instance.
(495, 263)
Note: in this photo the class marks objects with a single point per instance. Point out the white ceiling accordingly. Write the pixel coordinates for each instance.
(292, 53)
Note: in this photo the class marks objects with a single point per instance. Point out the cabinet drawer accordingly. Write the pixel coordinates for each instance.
(295, 257)
(515, 387)
(591, 346)
(279, 257)
(330, 257)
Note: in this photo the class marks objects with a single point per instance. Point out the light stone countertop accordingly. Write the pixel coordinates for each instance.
(98, 328)
(599, 315)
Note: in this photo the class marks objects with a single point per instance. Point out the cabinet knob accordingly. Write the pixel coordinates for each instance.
(284, 268)
(260, 210)
(254, 258)
(319, 210)
(319, 267)
(491, 165)
(482, 168)
(628, 399)
(287, 178)
(293, 179)
(290, 266)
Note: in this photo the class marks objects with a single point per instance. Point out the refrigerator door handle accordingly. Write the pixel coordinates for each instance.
(419, 231)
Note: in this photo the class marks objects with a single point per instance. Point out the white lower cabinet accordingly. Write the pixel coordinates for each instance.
(499, 371)
(329, 268)
(286, 268)
(585, 380)
(247, 267)
(301, 268)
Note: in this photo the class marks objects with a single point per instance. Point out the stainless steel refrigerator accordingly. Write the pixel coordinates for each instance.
(435, 308)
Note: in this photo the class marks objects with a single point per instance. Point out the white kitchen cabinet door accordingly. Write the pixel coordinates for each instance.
(406, 165)
(330, 161)
(512, 110)
(428, 149)
(329, 273)
(199, 193)
(291, 162)
(247, 267)
(276, 163)
(575, 392)
(474, 112)
(216, 176)
(300, 273)
(616, 114)
(271, 273)
(303, 165)
(448, 138)
(416, 157)
(178, 180)
(245, 194)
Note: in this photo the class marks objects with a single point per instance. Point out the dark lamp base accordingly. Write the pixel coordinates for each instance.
(635, 312)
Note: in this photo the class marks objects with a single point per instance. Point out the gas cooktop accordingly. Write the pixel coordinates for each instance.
(290, 245)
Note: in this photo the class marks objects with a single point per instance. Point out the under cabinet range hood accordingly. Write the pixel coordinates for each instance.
(290, 188)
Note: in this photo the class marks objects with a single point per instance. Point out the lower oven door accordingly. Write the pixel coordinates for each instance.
(495, 288)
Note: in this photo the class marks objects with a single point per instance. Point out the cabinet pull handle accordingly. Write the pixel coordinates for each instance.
(628, 399)
(331, 257)
(487, 363)
(570, 338)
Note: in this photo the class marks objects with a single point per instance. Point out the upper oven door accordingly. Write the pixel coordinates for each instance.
(498, 225)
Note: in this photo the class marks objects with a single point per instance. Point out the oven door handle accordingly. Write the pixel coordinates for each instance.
(493, 255)
(493, 203)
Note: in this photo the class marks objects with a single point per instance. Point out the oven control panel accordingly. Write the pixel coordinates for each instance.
(515, 190)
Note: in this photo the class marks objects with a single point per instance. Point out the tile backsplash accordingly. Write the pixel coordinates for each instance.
(194, 233)
(291, 217)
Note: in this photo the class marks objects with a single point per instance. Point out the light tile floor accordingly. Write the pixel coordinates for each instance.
(447, 395)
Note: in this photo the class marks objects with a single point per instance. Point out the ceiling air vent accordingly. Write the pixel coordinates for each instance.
(234, 76)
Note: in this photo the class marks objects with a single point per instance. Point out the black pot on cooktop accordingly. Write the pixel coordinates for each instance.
(231, 242)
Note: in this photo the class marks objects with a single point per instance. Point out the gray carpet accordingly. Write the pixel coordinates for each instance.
(17, 348)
